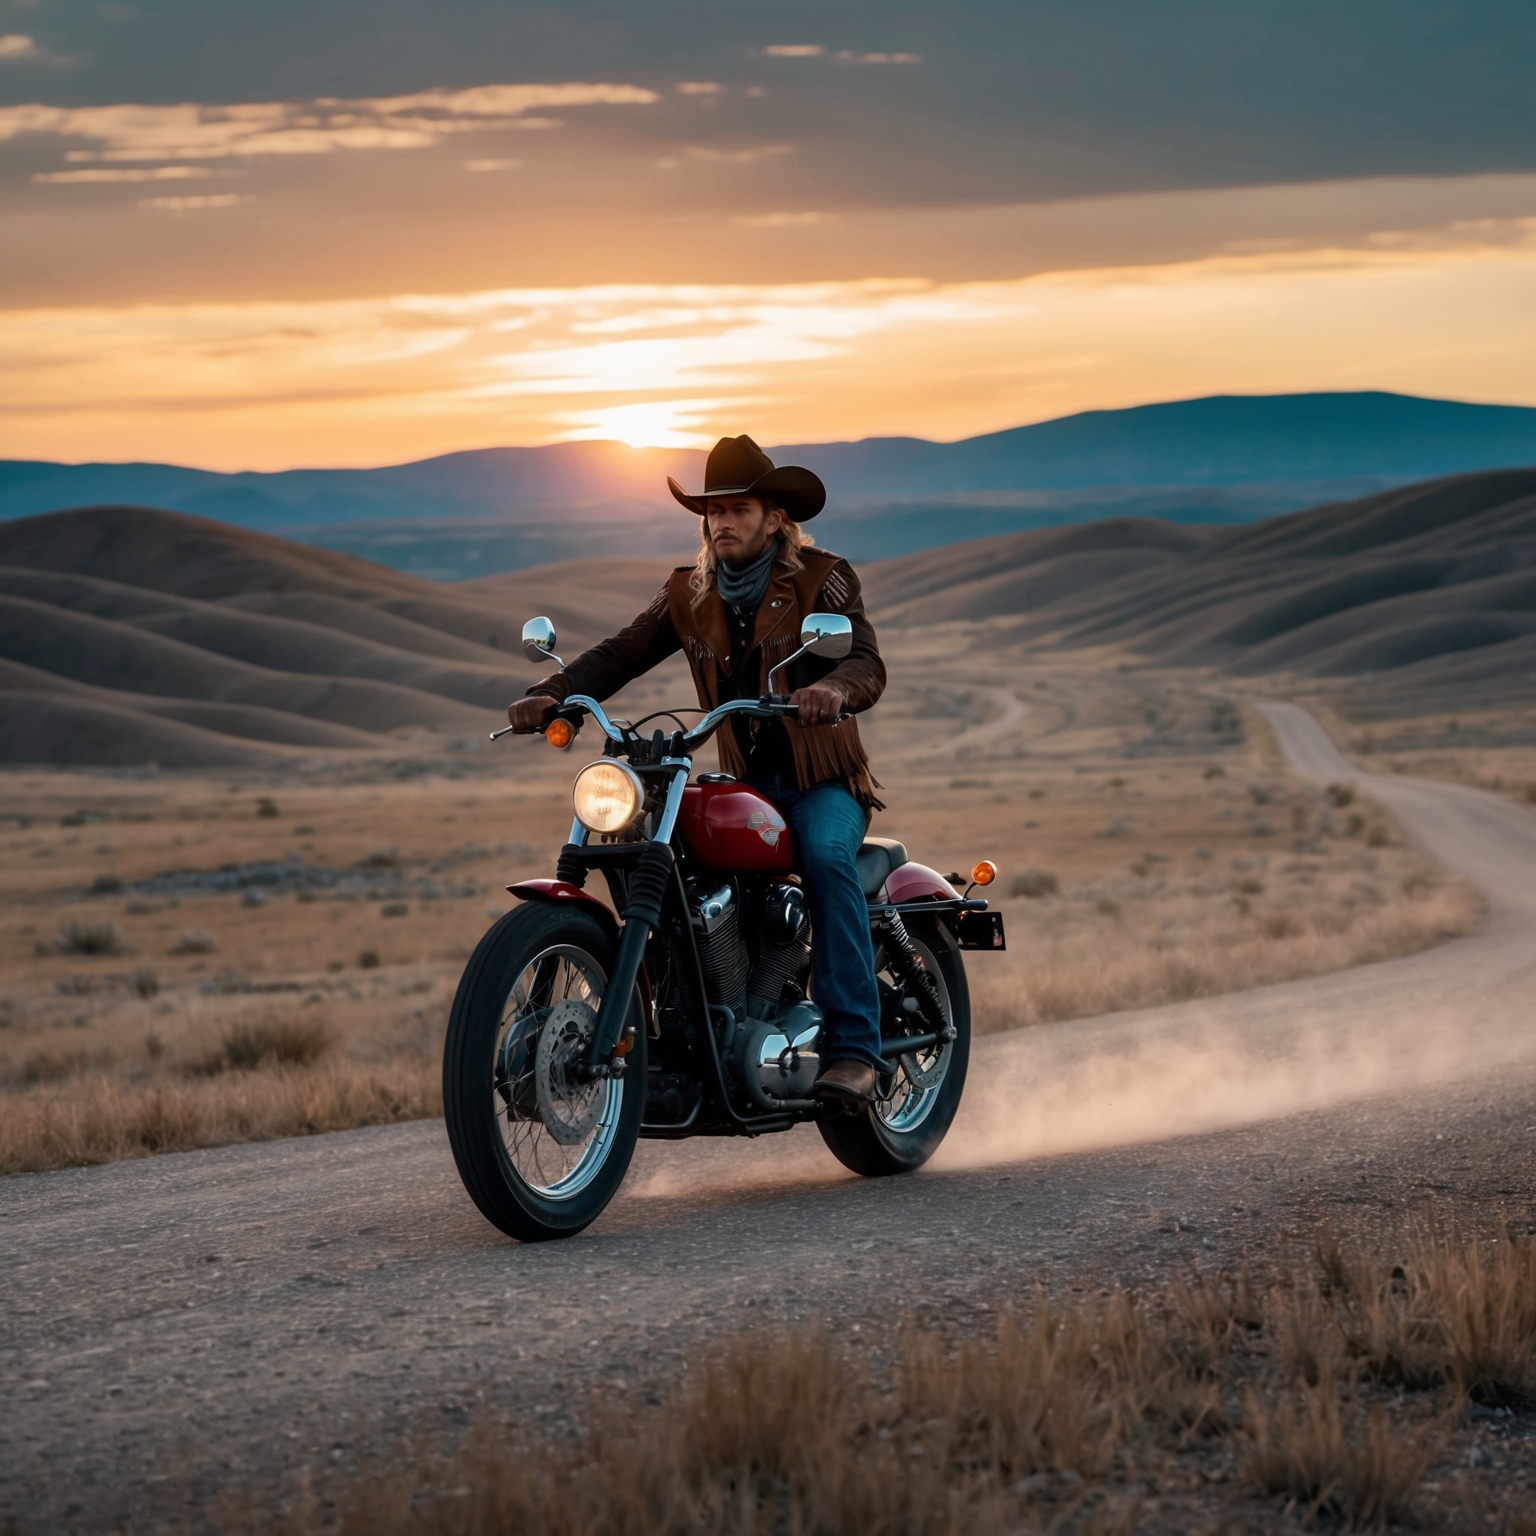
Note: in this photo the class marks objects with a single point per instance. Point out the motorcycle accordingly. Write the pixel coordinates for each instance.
(575, 1032)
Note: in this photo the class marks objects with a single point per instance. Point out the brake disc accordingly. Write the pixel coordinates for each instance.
(568, 1106)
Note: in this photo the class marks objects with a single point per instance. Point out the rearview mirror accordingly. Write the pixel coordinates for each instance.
(539, 641)
(827, 634)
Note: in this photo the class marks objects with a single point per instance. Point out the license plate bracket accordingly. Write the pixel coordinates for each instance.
(980, 930)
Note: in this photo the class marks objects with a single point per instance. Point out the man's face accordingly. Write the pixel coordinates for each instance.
(740, 527)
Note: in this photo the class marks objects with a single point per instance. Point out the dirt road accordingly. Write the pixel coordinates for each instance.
(232, 1319)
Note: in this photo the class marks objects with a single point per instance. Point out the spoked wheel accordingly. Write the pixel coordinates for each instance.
(902, 1130)
(541, 1151)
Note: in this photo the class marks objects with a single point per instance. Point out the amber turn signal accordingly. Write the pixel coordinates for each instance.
(984, 873)
(559, 733)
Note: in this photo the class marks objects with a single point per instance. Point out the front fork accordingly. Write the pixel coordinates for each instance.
(642, 917)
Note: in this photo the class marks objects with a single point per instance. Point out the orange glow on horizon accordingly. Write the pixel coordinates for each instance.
(372, 381)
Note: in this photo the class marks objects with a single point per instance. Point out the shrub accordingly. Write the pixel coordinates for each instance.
(394, 909)
(287, 1043)
(106, 885)
(293, 1043)
(46, 1067)
(1283, 925)
(1341, 794)
(88, 938)
(1034, 883)
(195, 941)
(369, 960)
(265, 808)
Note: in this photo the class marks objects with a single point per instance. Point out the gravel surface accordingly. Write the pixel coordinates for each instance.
(234, 1319)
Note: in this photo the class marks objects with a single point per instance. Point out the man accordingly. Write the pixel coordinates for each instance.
(736, 613)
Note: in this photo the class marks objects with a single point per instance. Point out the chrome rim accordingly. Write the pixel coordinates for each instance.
(549, 1168)
(911, 1102)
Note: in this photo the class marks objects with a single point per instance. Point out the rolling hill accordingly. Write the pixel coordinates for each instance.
(1225, 460)
(1428, 591)
(130, 635)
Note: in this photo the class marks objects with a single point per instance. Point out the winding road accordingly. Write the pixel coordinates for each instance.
(235, 1319)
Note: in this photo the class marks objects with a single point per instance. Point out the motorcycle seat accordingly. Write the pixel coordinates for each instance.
(875, 861)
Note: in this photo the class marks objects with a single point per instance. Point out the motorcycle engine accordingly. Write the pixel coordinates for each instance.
(772, 1045)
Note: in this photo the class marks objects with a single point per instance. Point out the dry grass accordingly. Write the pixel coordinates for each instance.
(1173, 948)
(1453, 1309)
(1206, 1405)
(98, 1119)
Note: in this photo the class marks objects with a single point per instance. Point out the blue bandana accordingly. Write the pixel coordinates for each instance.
(743, 586)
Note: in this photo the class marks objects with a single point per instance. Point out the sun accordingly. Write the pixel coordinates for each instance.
(648, 424)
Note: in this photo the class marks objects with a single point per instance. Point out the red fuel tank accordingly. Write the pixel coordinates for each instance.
(728, 826)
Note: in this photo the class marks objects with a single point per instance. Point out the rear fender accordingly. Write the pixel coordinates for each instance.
(914, 882)
(559, 892)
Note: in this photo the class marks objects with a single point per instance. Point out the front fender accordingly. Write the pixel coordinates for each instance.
(555, 891)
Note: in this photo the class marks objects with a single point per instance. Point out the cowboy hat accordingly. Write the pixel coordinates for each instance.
(738, 467)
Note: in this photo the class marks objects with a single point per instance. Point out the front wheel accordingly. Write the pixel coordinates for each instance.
(903, 1129)
(540, 1150)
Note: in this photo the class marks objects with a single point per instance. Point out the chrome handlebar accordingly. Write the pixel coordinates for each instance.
(712, 721)
(700, 733)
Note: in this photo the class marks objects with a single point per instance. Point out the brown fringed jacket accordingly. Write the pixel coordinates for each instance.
(826, 583)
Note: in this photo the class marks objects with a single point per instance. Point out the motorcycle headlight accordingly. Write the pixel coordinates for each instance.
(608, 796)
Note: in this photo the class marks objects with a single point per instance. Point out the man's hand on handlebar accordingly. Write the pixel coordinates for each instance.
(530, 714)
(820, 704)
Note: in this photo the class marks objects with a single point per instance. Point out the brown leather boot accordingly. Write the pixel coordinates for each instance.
(849, 1083)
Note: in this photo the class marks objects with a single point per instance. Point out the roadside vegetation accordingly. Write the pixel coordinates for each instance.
(1320, 880)
(1351, 1390)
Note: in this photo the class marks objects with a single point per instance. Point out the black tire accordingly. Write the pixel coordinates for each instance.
(871, 1143)
(493, 1110)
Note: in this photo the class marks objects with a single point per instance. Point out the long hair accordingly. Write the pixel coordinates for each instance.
(791, 539)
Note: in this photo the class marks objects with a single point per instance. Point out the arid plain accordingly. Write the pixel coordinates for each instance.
(200, 956)
(260, 936)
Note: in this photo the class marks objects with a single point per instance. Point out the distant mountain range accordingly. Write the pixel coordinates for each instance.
(1222, 460)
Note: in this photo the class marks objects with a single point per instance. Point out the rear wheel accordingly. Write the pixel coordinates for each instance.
(903, 1129)
(540, 1150)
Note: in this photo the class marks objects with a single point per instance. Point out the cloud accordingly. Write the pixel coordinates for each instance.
(492, 165)
(709, 155)
(699, 88)
(112, 173)
(186, 204)
(794, 50)
(382, 379)
(779, 220)
(847, 57)
(202, 131)
(15, 45)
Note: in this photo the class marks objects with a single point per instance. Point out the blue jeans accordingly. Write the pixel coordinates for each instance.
(829, 825)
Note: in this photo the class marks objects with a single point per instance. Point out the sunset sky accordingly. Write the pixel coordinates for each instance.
(248, 235)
